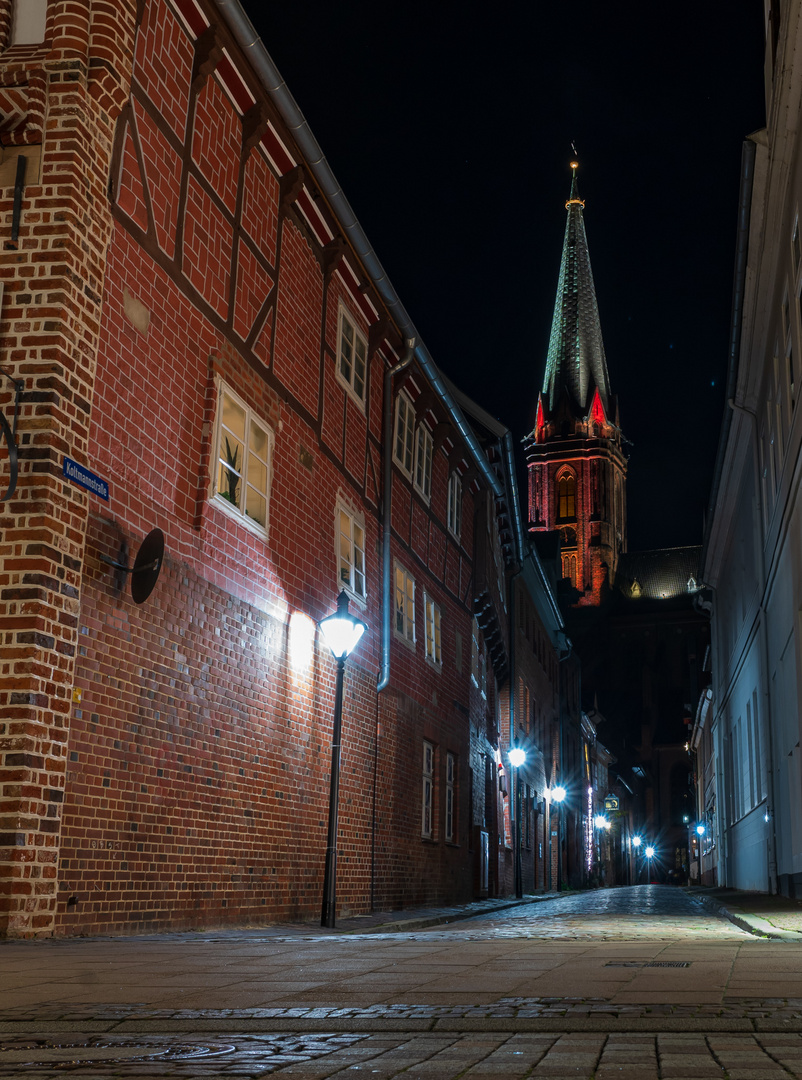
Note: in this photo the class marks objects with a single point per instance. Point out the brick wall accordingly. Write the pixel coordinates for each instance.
(53, 278)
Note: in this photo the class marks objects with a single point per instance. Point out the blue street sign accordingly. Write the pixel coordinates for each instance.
(84, 478)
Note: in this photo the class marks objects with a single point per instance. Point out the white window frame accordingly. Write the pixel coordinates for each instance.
(451, 806)
(455, 505)
(350, 337)
(424, 454)
(427, 791)
(434, 638)
(247, 471)
(404, 587)
(404, 434)
(350, 552)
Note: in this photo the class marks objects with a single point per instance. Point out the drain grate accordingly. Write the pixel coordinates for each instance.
(648, 963)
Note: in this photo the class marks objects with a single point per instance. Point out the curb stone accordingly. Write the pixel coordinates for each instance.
(752, 924)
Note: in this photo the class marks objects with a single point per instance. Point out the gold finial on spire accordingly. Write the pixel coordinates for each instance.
(574, 198)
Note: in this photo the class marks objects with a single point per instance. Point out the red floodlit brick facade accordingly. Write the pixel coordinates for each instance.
(167, 764)
(577, 486)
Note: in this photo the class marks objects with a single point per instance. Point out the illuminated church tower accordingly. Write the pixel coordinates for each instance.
(577, 469)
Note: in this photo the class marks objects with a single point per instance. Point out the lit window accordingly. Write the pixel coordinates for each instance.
(451, 779)
(351, 553)
(352, 353)
(566, 498)
(433, 648)
(404, 434)
(423, 462)
(244, 449)
(404, 604)
(455, 504)
(427, 800)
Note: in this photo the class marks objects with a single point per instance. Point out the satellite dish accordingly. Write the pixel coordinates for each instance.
(147, 564)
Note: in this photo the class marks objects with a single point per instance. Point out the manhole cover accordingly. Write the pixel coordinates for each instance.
(69, 1053)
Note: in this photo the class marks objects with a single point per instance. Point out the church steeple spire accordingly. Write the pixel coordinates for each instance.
(577, 466)
(576, 357)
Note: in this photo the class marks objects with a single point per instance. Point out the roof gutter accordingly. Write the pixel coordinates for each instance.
(748, 152)
(278, 92)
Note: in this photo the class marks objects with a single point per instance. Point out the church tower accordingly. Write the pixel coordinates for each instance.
(577, 468)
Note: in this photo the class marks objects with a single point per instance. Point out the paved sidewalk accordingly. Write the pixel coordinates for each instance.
(778, 917)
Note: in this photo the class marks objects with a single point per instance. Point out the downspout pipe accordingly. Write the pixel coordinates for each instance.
(278, 92)
(387, 500)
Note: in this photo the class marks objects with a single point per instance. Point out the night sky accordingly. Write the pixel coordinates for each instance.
(450, 129)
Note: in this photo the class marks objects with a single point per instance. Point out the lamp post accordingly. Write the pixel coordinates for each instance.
(517, 757)
(636, 843)
(342, 632)
(558, 794)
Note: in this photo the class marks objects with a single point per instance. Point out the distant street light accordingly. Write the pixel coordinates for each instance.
(700, 830)
(342, 632)
(636, 841)
(600, 821)
(517, 757)
(649, 852)
(557, 794)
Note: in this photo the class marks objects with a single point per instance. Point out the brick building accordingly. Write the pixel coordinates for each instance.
(196, 319)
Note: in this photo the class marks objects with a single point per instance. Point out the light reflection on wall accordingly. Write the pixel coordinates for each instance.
(302, 644)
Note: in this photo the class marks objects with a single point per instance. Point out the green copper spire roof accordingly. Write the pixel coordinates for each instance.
(576, 353)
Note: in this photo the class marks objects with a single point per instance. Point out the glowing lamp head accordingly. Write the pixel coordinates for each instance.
(517, 756)
(600, 821)
(700, 830)
(649, 852)
(636, 841)
(342, 630)
(558, 793)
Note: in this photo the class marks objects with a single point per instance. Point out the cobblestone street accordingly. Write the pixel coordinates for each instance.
(645, 983)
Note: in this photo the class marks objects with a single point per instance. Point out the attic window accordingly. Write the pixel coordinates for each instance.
(635, 589)
(692, 586)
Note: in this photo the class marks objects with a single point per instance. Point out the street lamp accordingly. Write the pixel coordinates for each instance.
(342, 632)
(558, 794)
(517, 757)
(700, 829)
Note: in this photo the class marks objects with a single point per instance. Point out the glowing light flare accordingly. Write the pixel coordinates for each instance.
(700, 829)
(302, 642)
(600, 821)
(649, 852)
(636, 841)
(342, 630)
(558, 793)
(517, 756)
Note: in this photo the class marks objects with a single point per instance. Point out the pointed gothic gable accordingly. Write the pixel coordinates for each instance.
(597, 413)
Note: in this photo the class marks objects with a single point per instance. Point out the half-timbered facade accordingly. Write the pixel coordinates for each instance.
(212, 338)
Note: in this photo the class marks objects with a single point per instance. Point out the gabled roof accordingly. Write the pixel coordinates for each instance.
(576, 357)
(660, 574)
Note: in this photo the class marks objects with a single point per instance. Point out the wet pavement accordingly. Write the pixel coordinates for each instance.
(648, 983)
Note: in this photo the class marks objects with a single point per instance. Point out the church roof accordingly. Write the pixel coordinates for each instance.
(576, 357)
(660, 574)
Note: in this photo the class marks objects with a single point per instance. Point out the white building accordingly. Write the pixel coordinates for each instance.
(753, 542)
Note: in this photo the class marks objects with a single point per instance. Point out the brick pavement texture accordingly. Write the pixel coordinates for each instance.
(413, 1056)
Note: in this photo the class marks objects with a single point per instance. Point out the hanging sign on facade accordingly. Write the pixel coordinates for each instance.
(611, 802)
(84, 478)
